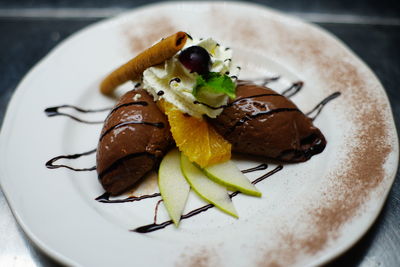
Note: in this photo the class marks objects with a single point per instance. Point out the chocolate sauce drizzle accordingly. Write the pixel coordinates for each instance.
(209, 106)
(156, 210)
(270, 79)
(260, 167)
(105, 198)
(126, 123)
(189, 36)
(236, 100)
(318, 108)
(54, 111)
(135, 103)
(289, 92)
(261, 113)
(154, 226)
(50, 163)
(293, 89)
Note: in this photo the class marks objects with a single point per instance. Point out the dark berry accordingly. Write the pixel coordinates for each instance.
(196, 59)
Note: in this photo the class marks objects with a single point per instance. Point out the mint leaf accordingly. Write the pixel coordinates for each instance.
(214, 83)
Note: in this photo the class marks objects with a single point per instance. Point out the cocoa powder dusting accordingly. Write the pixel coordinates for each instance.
(342, 200)
(278, 255)
(355, 185)
(200, 258)
(158, 28)
(350, 188)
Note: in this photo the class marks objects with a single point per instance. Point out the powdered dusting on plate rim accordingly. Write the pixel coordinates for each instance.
(356, 176)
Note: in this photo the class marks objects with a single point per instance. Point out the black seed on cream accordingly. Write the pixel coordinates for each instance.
(175, 80)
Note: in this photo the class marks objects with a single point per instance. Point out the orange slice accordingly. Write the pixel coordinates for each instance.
(196, 138)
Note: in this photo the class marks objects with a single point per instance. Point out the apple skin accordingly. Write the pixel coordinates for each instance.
(228, 175)
(173, 186)
(210, 191)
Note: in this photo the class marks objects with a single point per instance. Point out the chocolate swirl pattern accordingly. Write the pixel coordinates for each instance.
(105, 198)
(289, 92)
(136, 133)
(50, 164)
(154, 226)
(318, 108)
(55, 111)
(133, 103)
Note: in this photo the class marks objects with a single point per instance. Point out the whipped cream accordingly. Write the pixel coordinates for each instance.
(174, 83)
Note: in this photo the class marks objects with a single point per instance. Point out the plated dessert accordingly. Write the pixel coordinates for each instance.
(309, 212)
(189, 112)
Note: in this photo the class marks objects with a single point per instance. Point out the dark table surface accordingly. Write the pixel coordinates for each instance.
(30, 29)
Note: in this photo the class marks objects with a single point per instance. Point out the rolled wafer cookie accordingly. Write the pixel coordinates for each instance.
(133, 69)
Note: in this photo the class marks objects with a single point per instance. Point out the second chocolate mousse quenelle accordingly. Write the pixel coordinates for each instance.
(261, 122)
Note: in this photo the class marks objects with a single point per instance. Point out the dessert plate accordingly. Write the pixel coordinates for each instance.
(309, 213)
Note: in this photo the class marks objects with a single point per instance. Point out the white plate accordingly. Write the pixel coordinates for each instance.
(309, 212)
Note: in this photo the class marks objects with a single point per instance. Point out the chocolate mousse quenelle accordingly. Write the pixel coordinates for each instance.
(261, 122)
(136, 134)
(191, 98)
(134, 138)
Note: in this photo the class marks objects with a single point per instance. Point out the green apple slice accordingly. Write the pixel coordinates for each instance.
(229, 175)
(173, 186)
(213, 193)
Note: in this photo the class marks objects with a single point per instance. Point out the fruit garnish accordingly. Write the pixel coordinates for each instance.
(177, 174)
(196, 59)
(229, 175)
(196, 138)
(212, 192)
(173, 186)
(175, 79)
(212, 86)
